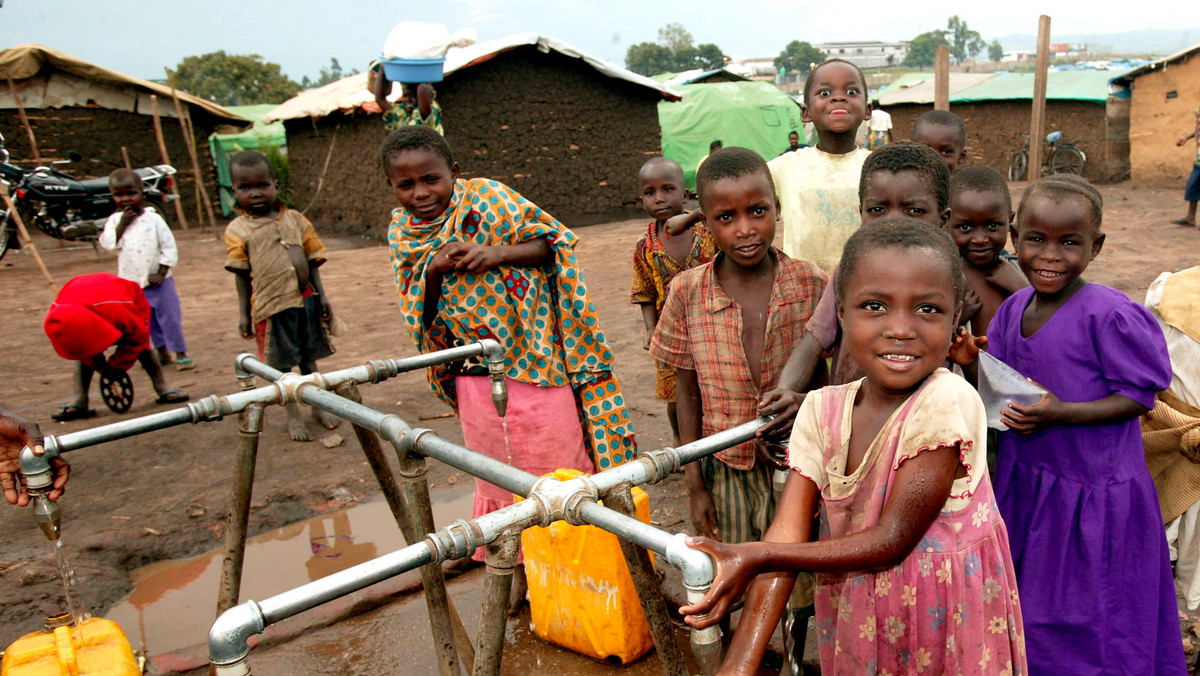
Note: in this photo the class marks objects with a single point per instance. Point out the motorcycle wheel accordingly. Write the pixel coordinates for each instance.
(8, 234)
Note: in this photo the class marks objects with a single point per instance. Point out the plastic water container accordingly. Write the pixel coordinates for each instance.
(413, 70)
(104, 651)
(581, 596)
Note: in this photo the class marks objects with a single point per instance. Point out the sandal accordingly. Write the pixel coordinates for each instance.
(73, 412)
(185, 364)
(1184, 222)
(173, 396)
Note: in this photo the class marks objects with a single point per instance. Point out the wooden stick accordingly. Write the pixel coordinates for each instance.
(162, 148)
(12, 211)
(941, 79)
(125, 156)
(1037, 119)
(185, 124)
(37, 156)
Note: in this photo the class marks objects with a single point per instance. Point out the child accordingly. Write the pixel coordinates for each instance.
(980, 216)
(1072, 484)
(661, 254)
(816, 185)
(899, 179)
(1191, 192)
(943, 131)
(474, 259)
(274, 252)
(913, 569)
(91, 314)
(147, 255)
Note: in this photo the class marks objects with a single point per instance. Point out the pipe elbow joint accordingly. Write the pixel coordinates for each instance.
(35, 468)
(238, 365)
(228, 635)
(696, 566)
(492, 350)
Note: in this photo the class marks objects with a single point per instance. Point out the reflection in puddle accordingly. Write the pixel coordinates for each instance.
(173, 603)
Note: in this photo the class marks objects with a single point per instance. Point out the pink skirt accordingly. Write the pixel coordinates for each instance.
(543, 434)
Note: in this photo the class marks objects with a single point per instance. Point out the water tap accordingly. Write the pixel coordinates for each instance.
(39, 478)
(499, 389)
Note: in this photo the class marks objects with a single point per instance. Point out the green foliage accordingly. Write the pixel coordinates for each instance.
(283, 172)
(995, 51)
(234, 79)
(964, 42)
(331, 74)
(922, 51)
(674, 51)
(799, 57)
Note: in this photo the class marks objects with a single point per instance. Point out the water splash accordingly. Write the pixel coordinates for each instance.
(78, 612)
(507, 447)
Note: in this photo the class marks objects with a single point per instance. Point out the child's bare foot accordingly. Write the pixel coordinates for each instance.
(326, 419)
(296, 426)
(518, 591)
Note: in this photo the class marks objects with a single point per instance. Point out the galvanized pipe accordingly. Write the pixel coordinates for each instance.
(428, 443)
(249, 430)
(501, 560)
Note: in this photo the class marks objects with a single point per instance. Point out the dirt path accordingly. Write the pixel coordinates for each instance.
(163, 495)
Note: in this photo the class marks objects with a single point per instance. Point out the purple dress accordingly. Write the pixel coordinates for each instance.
(1082, 514)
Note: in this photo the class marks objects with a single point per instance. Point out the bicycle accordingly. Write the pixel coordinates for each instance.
(1063, 158)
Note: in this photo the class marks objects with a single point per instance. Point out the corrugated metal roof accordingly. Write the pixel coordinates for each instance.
(351, 93)
(918, 87)
(1077, 85)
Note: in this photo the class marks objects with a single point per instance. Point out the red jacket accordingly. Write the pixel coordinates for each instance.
(94, 312)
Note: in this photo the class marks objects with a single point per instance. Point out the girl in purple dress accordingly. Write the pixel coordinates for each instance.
(912, 566)
(1086, 532)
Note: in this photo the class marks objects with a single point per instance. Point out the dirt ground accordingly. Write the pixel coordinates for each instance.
(163, 495)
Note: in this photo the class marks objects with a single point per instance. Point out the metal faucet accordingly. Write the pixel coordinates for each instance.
(39, 477)
(493, 356)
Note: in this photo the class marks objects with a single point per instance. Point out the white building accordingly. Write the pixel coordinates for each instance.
(866, 54)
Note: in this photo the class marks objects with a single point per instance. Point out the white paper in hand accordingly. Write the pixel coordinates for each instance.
(1000, 384)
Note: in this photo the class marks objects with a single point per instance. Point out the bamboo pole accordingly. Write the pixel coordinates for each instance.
(12, 211)
(185, 124)
(941, 79)
(125, 156)
(37, 156)
(162, 148)
(1037, 119)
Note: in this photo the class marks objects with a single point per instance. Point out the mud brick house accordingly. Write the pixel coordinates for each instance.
(1163, 97)
(996, 109)
(567, 130)
(75, 105)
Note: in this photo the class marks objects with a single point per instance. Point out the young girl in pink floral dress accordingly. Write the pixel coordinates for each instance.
(912, 565)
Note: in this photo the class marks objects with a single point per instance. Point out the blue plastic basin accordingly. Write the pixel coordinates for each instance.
(413, 70)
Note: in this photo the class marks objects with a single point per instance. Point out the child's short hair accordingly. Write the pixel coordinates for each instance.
(910, 233)
(251, 158)
(415, 137)
(1064, 186)
(942, 118)
(981, 179)
(732, 162)
(667, 162)
(812, 74)
(909, 156)
(715, 146)
(125, 176)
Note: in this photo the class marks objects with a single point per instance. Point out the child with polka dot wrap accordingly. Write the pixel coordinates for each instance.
(474, 259)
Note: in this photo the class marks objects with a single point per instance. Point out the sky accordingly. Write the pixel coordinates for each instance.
(303, 35)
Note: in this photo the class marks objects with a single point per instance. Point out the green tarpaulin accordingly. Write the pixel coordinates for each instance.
(260, 137)
(1067, 85)
(755, 115)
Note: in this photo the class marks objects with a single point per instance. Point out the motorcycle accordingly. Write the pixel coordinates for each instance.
(65, 207)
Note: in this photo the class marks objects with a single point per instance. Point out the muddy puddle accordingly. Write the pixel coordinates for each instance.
(174, 603)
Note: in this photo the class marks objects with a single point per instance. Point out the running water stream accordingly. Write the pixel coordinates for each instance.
(78, 610)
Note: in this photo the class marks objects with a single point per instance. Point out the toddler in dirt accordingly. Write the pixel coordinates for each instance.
(148, 253)
(945, 132)
(274, 252)
(674, 241)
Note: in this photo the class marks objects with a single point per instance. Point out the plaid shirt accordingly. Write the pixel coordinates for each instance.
(701, 330)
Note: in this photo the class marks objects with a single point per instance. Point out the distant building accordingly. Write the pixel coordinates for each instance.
(866, 54)
(1161, 99)
(753, 68)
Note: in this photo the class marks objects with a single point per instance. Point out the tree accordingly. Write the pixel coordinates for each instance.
(234, 79)
(709, 57)
(995, 51)
(799, 57)
(964, 42)
(331, 74)
(649, 58)
(674, 37)
(674, 51)
(922, 50)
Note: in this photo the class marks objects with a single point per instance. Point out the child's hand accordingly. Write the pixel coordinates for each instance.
(782, 404)
(735, 569)
(1007, 277)
(129, 214)
(246, 327)
(646, 341)
(772, 452)
(155, 279)
(704, 513)
(678, 224)
(972, 303)
(965, 348)
(1181, 141)
(478, 258)
(1049, 412)
(443, 261)
(326, 308)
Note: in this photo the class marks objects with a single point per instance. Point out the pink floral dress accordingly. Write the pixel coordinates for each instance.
(951, 607)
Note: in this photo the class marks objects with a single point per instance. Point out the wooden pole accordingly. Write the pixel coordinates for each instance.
(125, 156)
(185, 124)
(12, 211)
(941, 79)
(162, 148)
(37, 156)
(1037, 119)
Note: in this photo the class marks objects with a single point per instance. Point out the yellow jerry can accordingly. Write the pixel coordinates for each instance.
(581, 596)
(103, 651)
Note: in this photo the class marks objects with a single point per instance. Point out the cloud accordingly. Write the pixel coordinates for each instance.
(480, 10)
